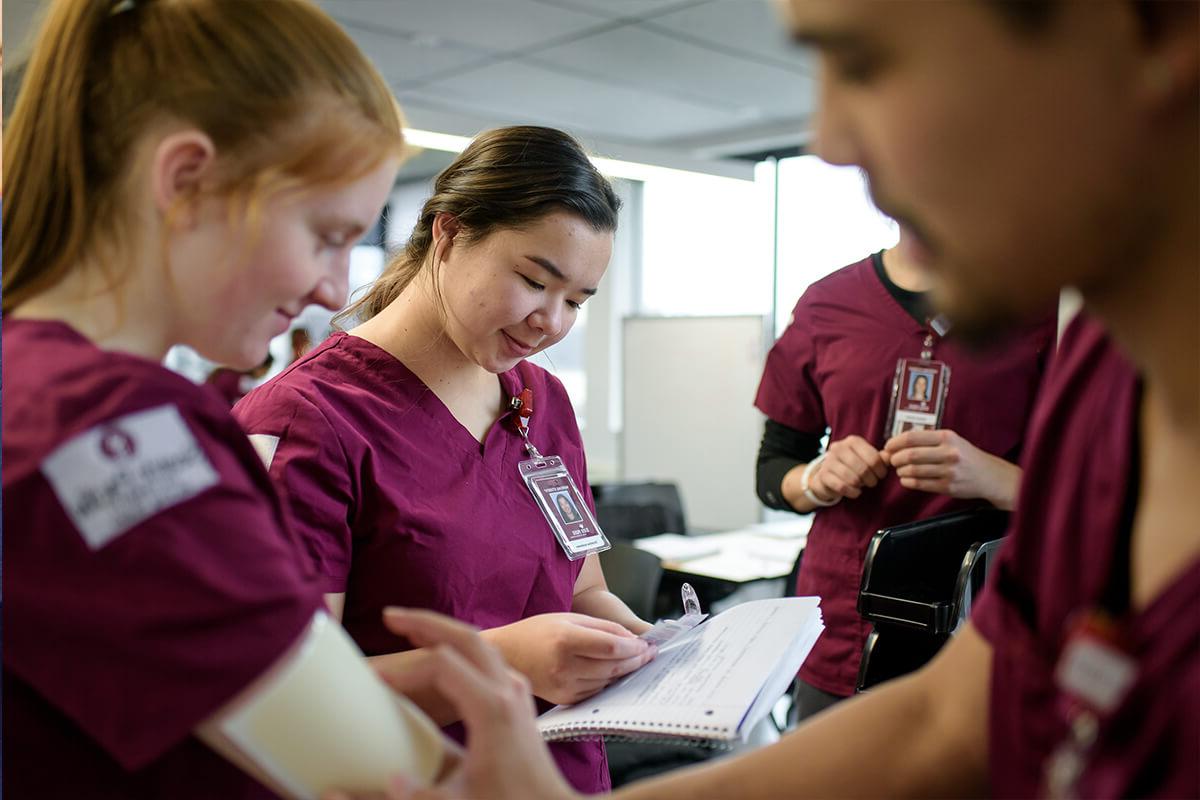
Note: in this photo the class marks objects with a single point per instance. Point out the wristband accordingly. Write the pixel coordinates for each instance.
(809, 495)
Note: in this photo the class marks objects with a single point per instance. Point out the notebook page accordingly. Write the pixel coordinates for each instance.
(708, 677)
(779, 681)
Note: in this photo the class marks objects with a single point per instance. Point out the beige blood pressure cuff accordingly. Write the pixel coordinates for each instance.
(321, 719)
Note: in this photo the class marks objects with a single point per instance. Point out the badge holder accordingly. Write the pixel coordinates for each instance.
(667, 629)
(555, 492)
(918, 395)
(1094, 674)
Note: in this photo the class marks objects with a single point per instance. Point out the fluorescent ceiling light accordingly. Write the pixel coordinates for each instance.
(429, 140)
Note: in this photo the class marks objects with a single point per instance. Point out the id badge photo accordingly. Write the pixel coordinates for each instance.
(563, 506)
(918, 395)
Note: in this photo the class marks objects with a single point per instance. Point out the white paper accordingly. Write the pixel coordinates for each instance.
(706, 682)
(739, 556)
(677, 547)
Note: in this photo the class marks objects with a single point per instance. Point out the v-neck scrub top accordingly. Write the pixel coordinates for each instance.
(148, 573)
(1069, 545)
(833, 367)
(399, 504)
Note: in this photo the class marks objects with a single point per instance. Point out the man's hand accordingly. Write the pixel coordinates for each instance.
(943, 462)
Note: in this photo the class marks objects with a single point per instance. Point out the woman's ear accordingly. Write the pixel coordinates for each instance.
(445, 228)
(183, 161)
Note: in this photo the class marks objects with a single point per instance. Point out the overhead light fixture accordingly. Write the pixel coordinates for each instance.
(430, 140)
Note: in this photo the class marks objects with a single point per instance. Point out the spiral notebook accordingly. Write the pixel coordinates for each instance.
(709, 686)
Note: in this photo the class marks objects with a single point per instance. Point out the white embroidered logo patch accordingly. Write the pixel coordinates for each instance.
(117, 474)
(265, 444)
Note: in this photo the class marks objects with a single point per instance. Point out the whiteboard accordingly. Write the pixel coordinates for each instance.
(688, 386)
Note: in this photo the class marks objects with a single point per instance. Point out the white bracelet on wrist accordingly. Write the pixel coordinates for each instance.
(809, 495)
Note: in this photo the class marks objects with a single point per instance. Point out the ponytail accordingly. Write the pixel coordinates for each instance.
(45, 218)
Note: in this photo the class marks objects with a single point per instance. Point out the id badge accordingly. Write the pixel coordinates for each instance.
(1093, 668)
(918, 395)
(563, 507)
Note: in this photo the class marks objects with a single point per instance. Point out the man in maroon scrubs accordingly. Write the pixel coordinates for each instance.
(1027, 146)
(833, 368)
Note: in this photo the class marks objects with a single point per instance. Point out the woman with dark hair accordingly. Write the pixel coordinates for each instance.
(390, 441)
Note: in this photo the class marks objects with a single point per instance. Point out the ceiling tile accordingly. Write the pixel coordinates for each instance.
(632, 56)
(491, 25)
(622, 8)
(520, 92)
(403, 61)
(752, 27)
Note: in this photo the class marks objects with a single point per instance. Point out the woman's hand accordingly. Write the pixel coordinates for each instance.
(943, 462)
(568, 657)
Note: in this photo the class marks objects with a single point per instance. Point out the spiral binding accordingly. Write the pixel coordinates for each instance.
(643, 731)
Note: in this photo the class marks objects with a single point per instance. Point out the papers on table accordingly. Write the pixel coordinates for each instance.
(674, 547)
(756, 552)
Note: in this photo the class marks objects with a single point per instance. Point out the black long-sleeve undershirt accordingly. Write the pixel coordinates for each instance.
(782, 448)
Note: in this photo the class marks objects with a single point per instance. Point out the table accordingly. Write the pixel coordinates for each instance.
(764, 551)
(730, 566)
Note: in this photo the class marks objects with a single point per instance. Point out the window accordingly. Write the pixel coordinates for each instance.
(707, 244)
(826, 221)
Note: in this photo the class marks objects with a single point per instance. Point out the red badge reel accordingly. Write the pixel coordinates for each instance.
(1094, 674)
(554, 491)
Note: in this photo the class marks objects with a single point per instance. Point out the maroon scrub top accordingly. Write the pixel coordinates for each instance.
(140, 593)
(401, 505)
(1066, 545)
(833, 367)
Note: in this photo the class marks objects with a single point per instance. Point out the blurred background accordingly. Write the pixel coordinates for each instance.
(700, 112)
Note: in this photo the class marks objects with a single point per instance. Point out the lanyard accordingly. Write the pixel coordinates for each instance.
(1094, 674)
(554, 490)
(1096, 667)
(522, 406)
(937, 325)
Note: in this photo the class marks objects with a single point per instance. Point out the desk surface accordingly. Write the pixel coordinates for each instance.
(763, 551)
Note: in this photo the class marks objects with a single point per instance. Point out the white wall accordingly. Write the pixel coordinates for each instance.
(689, 412)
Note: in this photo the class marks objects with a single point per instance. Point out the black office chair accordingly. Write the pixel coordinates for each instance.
(633, 510)
(917, 583)
(633, 575)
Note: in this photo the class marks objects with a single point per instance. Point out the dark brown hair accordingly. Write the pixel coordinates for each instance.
(287, 98)
(506, 178)
(1034, 16)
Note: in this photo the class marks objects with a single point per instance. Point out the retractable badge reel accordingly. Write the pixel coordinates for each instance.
(919, 387)
(555, 491)
(1094, 674)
